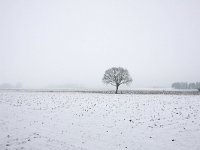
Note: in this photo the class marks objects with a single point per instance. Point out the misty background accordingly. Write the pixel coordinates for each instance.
(48, 43)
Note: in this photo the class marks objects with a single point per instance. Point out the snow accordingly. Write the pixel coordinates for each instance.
(89, 121)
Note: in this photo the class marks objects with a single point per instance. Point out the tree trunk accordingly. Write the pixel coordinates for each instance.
(116, 89)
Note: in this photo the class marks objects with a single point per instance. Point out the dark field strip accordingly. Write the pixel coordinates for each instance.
(146, 92)
(156, 92)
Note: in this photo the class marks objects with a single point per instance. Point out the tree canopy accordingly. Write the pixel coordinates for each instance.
(116, 76)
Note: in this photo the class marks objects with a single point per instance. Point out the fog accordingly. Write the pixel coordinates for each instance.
(48, 43)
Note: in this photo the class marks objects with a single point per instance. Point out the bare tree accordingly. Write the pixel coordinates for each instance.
(116, 76)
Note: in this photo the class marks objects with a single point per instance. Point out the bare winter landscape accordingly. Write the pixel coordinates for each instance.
(92, 121)
(99, 75)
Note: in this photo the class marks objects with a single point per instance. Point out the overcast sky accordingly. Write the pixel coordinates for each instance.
(46, 42)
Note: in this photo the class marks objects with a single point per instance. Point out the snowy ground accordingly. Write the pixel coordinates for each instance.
(75, 121)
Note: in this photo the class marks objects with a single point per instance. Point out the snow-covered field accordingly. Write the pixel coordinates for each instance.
(75, 121)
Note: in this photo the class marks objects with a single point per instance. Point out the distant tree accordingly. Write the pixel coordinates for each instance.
(192, 86)
(180, 85)
(117, 76)
(198, 86)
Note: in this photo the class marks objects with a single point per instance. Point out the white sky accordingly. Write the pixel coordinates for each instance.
(44, 42)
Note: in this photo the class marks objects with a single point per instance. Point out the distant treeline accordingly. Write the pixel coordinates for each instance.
(10, 86)
(185, 85)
